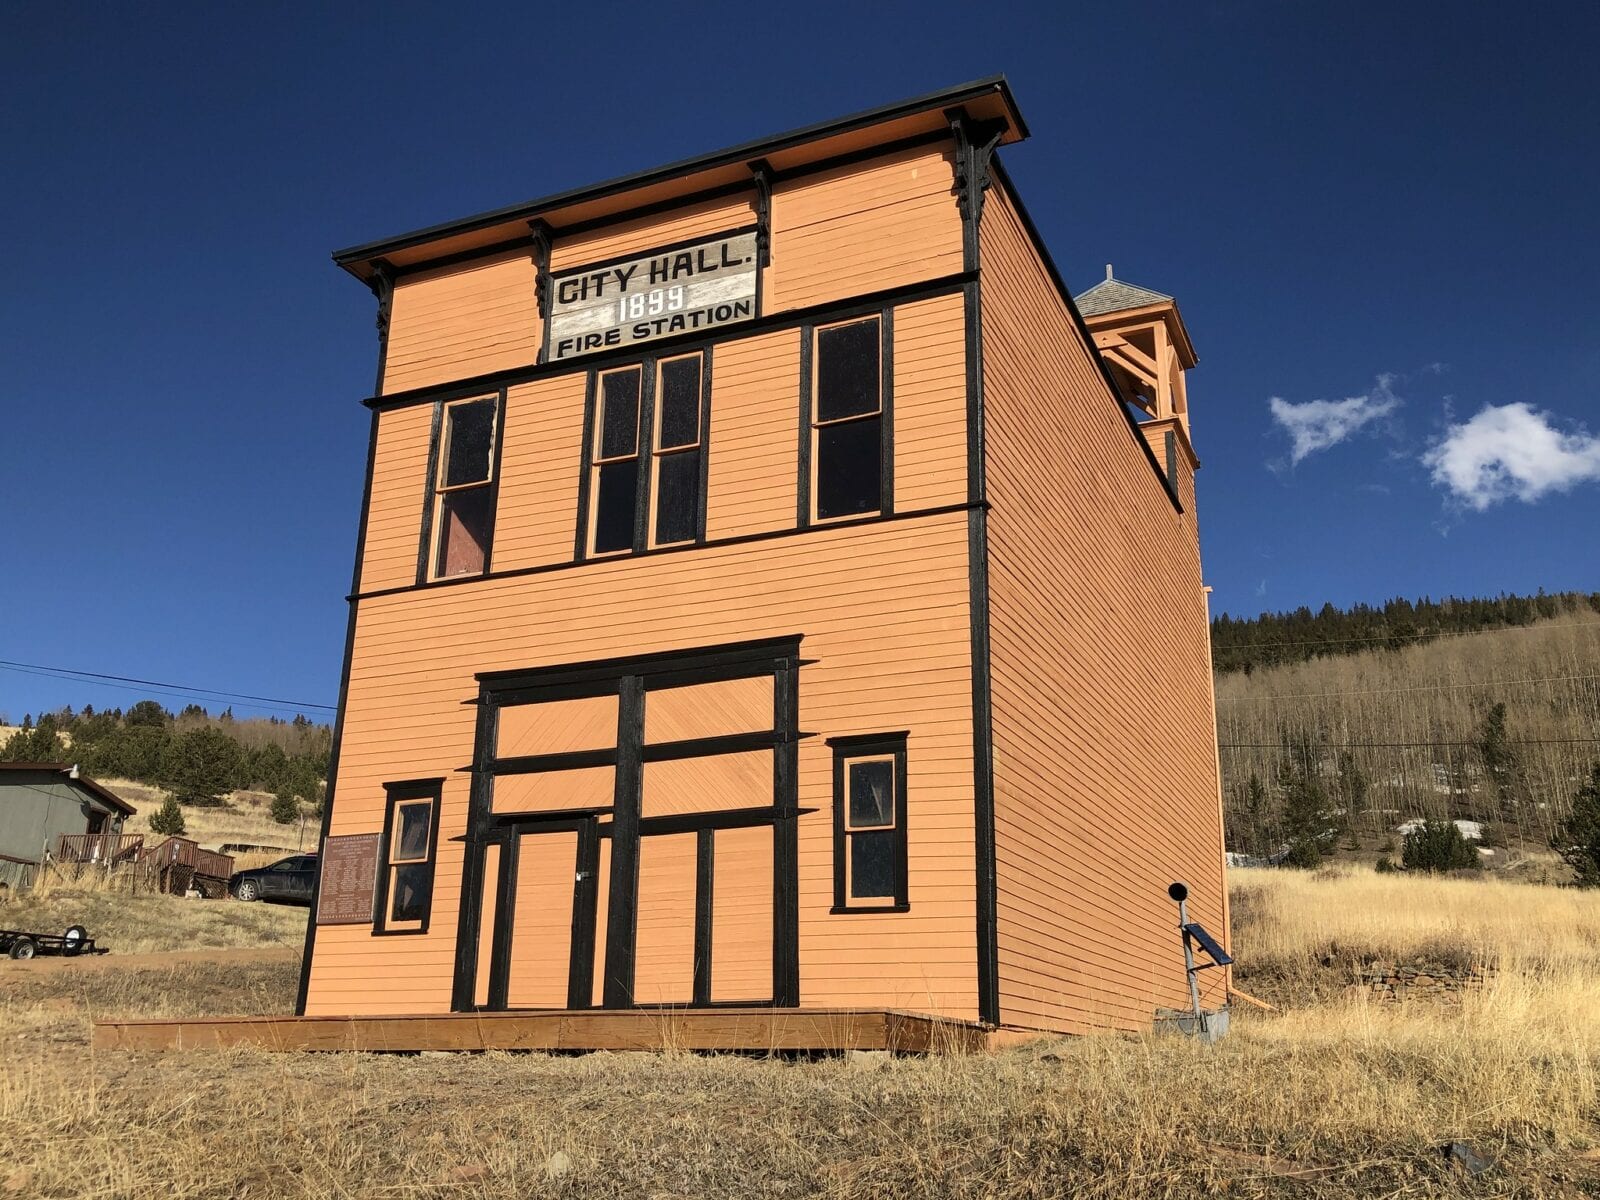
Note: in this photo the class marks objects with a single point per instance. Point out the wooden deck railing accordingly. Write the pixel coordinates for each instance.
(100, 847)
(171, 865)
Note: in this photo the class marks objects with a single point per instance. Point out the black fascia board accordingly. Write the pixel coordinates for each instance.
(945, 98)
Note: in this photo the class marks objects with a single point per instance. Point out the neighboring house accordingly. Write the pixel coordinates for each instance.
(41, 801)
(771, 592)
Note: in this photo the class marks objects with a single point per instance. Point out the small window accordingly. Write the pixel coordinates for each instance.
(463, 518)
(614, 484)
(847, 421)
(679, 397)
(410, 844)
(869, 823)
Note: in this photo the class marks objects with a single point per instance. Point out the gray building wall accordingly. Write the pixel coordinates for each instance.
(35, 808)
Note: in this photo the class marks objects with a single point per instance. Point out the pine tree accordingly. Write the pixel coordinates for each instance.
(202, 764)
(36, 743)
(285, 808)
(1501, 765)
(168, 819)
(1255, 804)
(1435, 846)
(1308, 824)
(1578, 839)
(1353, 790)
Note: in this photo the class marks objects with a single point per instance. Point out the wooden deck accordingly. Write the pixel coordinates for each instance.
(726, 1029)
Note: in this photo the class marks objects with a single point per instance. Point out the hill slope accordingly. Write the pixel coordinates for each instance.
(1390, 734)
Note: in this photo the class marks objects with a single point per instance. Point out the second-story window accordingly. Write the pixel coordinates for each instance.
(614, 486)
(646, 484)
(463, 516)
(677, 452)
(848, 422)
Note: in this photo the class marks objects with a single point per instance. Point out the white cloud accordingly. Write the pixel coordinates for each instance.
(1512, 451)
(1320, 424)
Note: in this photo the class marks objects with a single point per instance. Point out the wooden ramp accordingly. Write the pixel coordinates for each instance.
(727, 1029)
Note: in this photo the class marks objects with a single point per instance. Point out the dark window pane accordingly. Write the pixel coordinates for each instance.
(680, 402)
(871, 793)
(413, 835)
(677, 497)
(615, 502)
(464, 531)
(849, 468)
(848, 377)
(871, 864)
(619, 413)
(408, 896)
(469, 434)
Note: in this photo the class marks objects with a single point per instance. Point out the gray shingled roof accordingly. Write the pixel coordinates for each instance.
(1111, 295)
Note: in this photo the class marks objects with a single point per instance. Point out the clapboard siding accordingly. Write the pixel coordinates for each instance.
(930, 404)
(394, 509)
(536, 515)
(885, 614)
(752, 447)
(460, 321)
(1105, 768)
(644, 234)
(863, 227)
(753, 468)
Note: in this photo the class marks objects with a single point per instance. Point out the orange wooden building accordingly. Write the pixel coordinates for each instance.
(772, 591)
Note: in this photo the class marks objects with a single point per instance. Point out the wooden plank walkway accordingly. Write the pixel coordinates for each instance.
(726, 1029)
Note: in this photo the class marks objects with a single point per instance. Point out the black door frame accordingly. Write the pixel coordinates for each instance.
(630, 679)
(508, 833)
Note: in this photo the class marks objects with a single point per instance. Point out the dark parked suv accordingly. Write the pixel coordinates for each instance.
(289, 881)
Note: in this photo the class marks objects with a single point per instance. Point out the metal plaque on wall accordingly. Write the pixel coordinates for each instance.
(699, 286)
(349, 867)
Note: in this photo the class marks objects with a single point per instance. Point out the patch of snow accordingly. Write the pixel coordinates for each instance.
(1471, 830)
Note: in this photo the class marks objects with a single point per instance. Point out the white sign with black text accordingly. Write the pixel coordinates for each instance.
(692, 288)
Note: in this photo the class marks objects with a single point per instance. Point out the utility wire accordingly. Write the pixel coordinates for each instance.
(1588, 741)
(171, 688)
(1426, 687)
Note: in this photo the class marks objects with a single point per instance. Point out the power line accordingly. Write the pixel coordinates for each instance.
(1588, 741)
(1426, 687)
(146, 692)
(177, 689)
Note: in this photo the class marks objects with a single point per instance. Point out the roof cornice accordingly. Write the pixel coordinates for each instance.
(684, 177)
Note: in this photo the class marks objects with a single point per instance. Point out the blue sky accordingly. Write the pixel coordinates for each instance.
(1380, 226)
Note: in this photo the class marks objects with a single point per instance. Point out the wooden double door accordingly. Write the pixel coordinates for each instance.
(632, 839)
(702, 916)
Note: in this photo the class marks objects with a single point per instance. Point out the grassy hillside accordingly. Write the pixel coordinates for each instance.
(1333, 1095)
(149, 922)
(1391, 734)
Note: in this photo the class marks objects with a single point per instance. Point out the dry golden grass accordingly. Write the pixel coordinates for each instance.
(1284, 918)
(246, 817)
(1334, 1098)
(149, 922)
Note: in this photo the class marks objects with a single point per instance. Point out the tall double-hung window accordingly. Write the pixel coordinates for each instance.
(850, 451)
(462, 510)
(646, 479)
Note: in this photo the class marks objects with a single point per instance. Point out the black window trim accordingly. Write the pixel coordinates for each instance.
(405, 792)
(427, 551)
(649, 367)
(870, 745)
(805, 515)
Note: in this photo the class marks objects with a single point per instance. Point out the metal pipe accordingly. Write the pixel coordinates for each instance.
(1188, 964)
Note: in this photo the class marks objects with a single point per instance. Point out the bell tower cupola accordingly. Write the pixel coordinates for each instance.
(1141, 336)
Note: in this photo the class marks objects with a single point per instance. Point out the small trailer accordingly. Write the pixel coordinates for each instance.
(20, 944)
